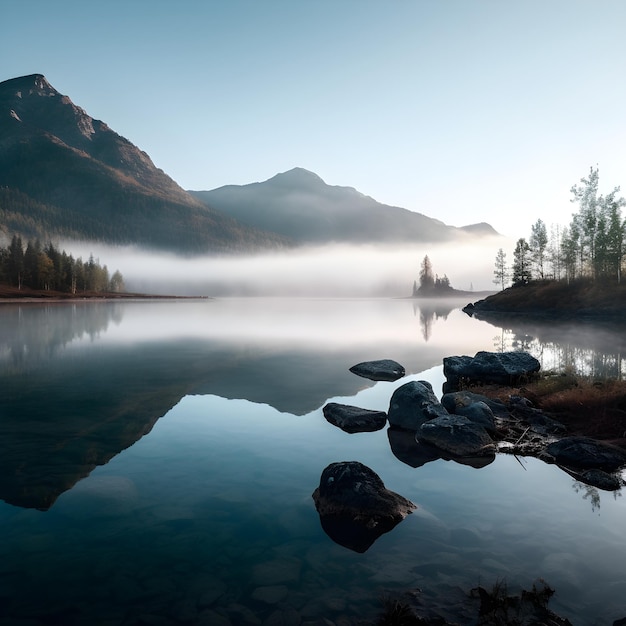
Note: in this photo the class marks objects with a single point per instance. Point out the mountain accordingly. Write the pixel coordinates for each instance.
(65, 174)
(299, 205)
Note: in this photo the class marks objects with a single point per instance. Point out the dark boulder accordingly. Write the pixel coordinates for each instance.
(384, 369)
(502, 368)
(353, 419)
(585, 453)
(455, 400)
(354, 506)
(468, 309)
(479, 413)
(457, 436)
(412, 404)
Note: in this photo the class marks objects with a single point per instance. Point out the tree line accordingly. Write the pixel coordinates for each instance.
(591, 246)
(48, 268)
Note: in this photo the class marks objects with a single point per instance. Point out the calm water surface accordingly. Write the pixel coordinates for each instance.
(157, 461)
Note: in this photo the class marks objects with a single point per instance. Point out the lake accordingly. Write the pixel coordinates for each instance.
(158, 459)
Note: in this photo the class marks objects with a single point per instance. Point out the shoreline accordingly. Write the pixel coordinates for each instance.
(13, 295)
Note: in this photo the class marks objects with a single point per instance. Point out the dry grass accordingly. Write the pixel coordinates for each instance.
(587, 407)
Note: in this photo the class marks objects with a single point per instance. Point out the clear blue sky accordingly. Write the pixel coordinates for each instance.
(465, 110)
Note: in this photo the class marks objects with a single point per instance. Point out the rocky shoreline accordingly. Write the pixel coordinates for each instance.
(467, 427)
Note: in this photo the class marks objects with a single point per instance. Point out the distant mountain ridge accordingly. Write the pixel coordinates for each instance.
(299, 205)
(65, 172)
(66, 175)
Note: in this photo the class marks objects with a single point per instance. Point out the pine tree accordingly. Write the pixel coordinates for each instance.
(427, 278)
(538, 245)
(501, 271)
(522, 273)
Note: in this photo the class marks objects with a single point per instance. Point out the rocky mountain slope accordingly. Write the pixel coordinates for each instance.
(63, 173)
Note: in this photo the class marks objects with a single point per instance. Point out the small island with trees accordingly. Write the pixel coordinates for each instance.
(432, 285)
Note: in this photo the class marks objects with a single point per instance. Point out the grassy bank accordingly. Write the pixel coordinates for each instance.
(587, 407)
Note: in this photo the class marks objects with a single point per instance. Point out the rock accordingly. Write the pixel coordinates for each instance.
(276, 572)
(412, 404)
(479, 413)
(354, 506)
(582, 452)
(457, 436)
(353, 419)
(288, 617)
(502, 368)
(458, 399)
(270, 595)
(384, 369)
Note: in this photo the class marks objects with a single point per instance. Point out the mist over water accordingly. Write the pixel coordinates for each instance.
(335, 270)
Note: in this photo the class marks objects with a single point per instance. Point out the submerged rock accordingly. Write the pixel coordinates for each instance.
(502, 368)
(353, 419)
(354, 506)
(412, 404)
(383, 369)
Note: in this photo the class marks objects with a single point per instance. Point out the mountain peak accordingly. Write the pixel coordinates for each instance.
(298, 177)
(33, 84)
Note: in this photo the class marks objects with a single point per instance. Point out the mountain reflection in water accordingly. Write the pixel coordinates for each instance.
(211, 514)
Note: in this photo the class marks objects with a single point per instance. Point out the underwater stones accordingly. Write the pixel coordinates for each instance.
(278, 571)
(271, 594)
(457, 435)
(502, 368)
(383, 369)
(412, 404)
(355, 507)
(353, 419)
(288, 617)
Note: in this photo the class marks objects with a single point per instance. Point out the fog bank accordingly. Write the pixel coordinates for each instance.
(330, 270)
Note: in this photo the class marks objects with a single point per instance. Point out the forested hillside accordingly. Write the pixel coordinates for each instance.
(50, 269)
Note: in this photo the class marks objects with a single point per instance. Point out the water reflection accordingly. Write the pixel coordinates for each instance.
(407, 449)
(83, 381)
(431, 310)
(595, 350)
(219, 493)
(32, 333)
